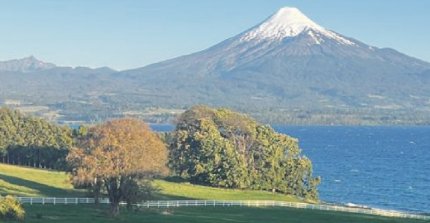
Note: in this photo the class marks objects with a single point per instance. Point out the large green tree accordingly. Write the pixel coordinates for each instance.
(222, 148)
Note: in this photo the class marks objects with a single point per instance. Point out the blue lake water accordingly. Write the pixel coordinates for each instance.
(384, 167)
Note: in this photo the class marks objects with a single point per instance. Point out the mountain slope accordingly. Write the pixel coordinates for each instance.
(289, 61)
(27, 64)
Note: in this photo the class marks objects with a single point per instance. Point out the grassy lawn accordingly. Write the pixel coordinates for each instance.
(22, 181)
(35, 182)
(88, 213)
(171, 190)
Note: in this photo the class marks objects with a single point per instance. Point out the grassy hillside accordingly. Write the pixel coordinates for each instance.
(22, 181)
(34, 182)
(171, 190)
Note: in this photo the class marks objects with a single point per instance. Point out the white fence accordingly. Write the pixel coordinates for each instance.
(228, 203)
(60, 200)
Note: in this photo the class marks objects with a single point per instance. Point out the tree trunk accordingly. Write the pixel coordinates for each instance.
(129, 205)
(114, 192)
(114, 209)
(96, 199)
(96, 190)
(38, 157)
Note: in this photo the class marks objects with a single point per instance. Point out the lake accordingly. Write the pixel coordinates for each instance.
(384, 167)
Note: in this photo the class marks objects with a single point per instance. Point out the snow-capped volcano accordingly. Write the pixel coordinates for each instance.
(285, 63)
(288, 60)
(290, 22)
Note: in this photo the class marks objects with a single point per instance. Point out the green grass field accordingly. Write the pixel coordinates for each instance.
(171, 190)
(31, 182)
(90, 214)
(34, 182)
(21, 181)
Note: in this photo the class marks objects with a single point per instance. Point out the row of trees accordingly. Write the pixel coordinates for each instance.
(215, 147)
(226, 149)
(32, 141)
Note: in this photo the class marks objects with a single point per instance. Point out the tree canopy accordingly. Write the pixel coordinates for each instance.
(222, 148)
(116, 155)
(30, 141)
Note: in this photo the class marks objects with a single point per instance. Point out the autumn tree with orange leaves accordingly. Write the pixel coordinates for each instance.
(117, 155)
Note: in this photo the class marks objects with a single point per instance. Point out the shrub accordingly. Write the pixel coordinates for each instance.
(11, 209)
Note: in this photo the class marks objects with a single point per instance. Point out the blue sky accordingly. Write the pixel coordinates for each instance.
(127, 34)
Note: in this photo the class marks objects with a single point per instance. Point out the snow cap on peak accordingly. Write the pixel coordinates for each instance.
(293, 17)
(30, 58)
(288, 22)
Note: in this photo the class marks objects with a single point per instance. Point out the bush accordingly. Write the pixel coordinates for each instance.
(11, 209)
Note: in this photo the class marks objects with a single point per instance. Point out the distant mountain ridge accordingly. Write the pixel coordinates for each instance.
(26, 64)
(286, 69)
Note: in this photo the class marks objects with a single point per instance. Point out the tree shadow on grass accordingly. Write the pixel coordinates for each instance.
(164, 196)
(176, 179)
(42, 189)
